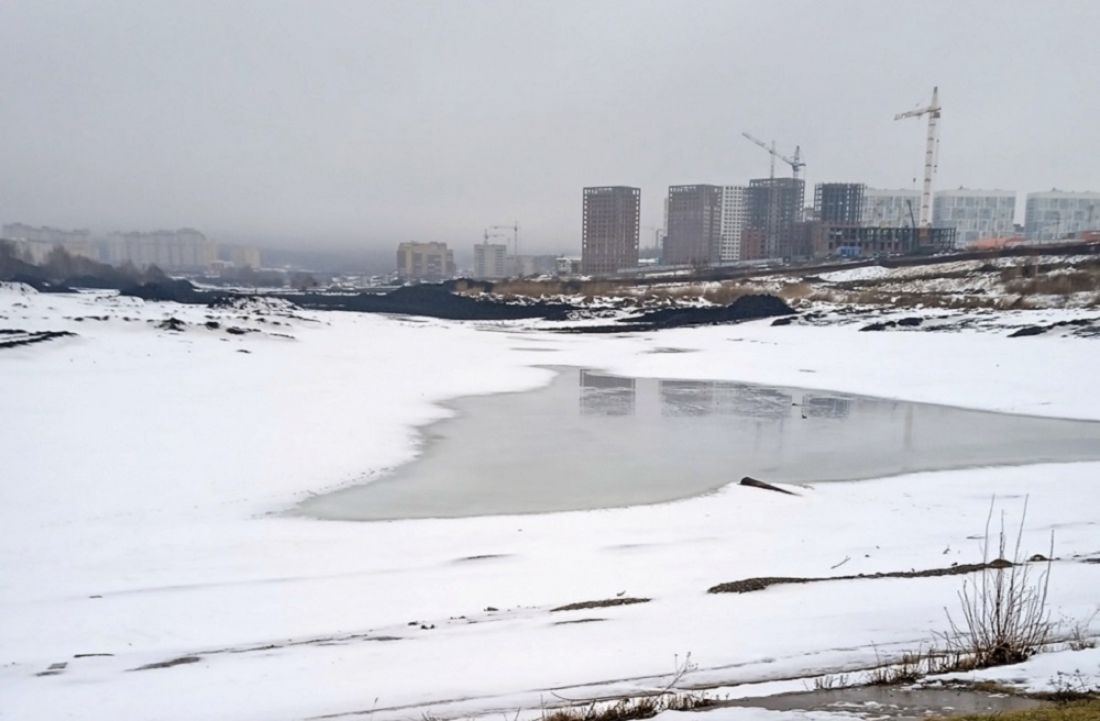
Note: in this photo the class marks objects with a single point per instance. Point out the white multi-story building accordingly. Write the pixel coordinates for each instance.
(245, 256)
(735, 214)
(184, 249)
(35, 244)
(425, 261)
(489, 260)
(1058, 214)
(975, 214)
(890, 208)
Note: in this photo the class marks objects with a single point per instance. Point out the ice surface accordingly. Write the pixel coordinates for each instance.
(592, 440)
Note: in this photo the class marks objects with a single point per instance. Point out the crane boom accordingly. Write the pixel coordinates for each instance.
(933, 111)
(795, 162)
(514, 227)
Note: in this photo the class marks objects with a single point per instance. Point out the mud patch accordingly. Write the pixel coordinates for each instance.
(889, 703)
(10, 338)
(55, 669)
(749, 585)
(179, 661)
(605, 603)
(482, 557)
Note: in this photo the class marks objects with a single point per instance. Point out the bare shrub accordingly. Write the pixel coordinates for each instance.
(1078, 636)
(1004, 617)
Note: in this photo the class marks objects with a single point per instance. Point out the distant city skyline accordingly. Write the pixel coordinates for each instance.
(350, 127)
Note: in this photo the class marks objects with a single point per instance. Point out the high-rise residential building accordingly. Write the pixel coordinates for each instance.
(609, 229)
(694, 224)
(839, 203)
(425, 261)
(1056, 214)
(177, 250)
(245, 256)
(37, 243)
(735, 216)
(489, 260)
(891, 208)
(975, 214)
(775, 205)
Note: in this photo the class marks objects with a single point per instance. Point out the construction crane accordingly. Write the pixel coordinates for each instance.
(795, 162)
(493, 234)
(514, 227)
(930, 153)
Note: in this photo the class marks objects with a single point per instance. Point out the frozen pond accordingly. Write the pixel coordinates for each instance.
(593, 440)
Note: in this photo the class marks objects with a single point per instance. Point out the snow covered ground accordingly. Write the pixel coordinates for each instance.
(145, 473)
(1069, 670)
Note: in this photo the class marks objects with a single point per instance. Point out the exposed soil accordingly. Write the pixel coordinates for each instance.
(14, 338)
(759, 584)
(748, 307)
(891, 703)
(435, 301)
(180, 661)
(440, 301)
(763, 485)
(605, 603)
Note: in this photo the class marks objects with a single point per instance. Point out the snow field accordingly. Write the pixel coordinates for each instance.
(145, 473)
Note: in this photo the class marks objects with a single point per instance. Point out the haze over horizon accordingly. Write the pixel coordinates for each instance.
(348, 126)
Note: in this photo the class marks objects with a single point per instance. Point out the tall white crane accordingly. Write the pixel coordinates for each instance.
(930, 152)
(795, 162)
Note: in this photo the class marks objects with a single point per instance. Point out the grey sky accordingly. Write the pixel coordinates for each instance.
(367, 123)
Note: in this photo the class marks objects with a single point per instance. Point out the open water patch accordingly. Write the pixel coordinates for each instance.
(593, 440)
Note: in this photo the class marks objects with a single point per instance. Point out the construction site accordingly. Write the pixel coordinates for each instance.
(774, 223)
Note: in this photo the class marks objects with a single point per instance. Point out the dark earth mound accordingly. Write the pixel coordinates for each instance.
(180, 291)
(748, 307)
(436, 301)
(440, 301)
(605, 603)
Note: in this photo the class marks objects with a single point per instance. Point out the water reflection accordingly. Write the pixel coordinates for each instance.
(595, 440)
(814, 406)
(605, 395)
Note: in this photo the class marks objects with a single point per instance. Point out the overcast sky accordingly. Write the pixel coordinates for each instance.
(362, 124)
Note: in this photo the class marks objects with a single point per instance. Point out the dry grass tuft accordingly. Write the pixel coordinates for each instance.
(1078, 711)
(1076, 281)
(629, 708)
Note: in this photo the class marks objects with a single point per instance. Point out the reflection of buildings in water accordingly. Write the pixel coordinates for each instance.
(603, 395)
(907, 434)
(686, 398)
(826, 406)
(762, 403)
(702, 398)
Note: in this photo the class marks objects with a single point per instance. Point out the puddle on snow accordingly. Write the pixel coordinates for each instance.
(592, 440)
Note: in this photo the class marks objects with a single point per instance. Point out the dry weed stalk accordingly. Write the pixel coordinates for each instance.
(1004, 616)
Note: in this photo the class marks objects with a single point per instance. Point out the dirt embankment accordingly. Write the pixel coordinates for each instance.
(440, 301)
